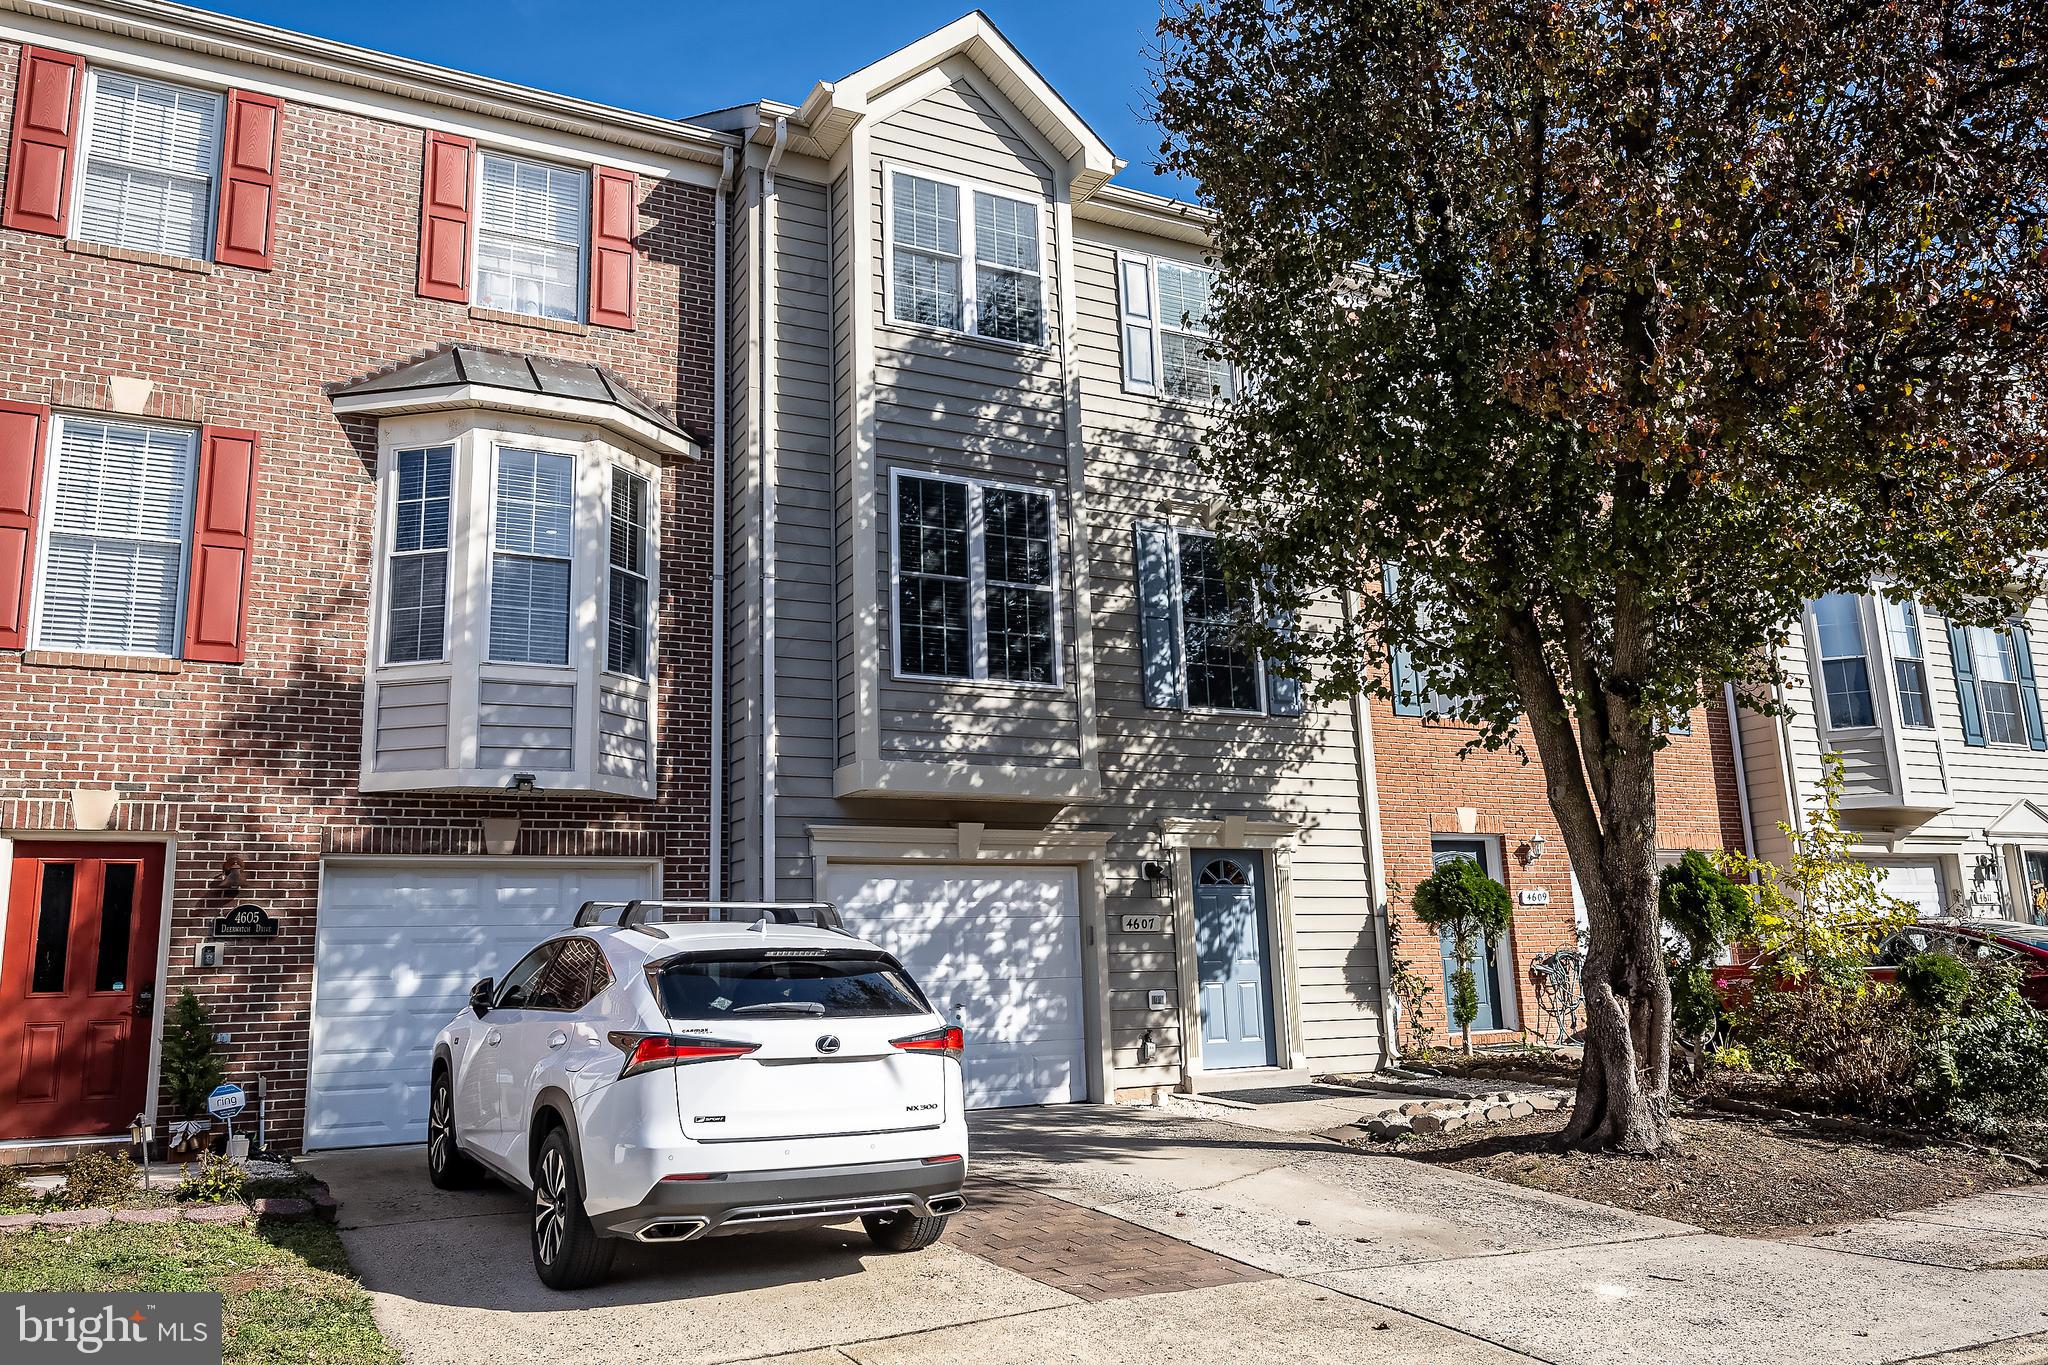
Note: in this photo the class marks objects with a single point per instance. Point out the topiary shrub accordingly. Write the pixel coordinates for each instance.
(1935, 982)
(217, 1181)
(1460, 898)
(99, 1179)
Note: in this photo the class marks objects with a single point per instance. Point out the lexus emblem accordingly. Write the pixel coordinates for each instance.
(829, 1043)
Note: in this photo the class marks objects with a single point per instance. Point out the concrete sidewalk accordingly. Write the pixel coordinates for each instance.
(1331, 1254)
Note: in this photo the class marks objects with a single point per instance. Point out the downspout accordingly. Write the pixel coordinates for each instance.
(722, 326)
(765, 263)
(1728, 705)
(1382, 906)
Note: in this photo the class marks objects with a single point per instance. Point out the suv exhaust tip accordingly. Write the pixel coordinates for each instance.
(946, 1203)
(670, 1230)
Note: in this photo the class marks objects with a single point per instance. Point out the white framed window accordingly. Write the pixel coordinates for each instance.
(532, 230)
(629, 555)
(979, 272)
(416, 601)
(532, 545)
(976, 568)
(151, 165)
(1909, 663)
(117, 531)
(1164, 311)
(1998, 680)
(1415, 692)
(1844, 661)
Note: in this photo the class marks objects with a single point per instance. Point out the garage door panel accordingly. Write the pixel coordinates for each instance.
(1006, 947)
(397, 951)
(1918, 884)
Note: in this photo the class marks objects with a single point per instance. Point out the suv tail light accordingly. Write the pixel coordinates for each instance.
(646, 1051)
(947, 1042)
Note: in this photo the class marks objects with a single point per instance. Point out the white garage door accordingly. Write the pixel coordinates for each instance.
(1002, 946)
(398, 948)
(1919, 884)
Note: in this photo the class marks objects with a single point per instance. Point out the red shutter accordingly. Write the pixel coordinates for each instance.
(248, 182)
(614, 264)
(46, 101)
(444, 217)
(22, 428)
(217, 610)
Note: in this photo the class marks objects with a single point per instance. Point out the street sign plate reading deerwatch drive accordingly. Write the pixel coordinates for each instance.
(245, 921)
(226, 1101)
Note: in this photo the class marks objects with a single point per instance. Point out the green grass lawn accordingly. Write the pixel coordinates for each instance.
(287, 1292)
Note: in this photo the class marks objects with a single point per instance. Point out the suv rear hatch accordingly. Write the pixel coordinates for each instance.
(823, 1024)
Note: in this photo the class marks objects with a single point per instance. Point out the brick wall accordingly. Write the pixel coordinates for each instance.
(262, 758)
(1423, 784)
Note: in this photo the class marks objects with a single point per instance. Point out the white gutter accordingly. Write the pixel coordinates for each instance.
(1375, 865)
(765, 263)
(721, 324)
(1729, 705)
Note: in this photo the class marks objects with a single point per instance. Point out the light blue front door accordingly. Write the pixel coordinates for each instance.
(1230, 958)
(1485, 961)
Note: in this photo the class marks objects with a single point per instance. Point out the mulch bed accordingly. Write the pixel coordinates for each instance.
(1732, 1175)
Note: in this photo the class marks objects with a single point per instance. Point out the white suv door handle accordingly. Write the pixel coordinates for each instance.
(557, 1038)
(492, 1037)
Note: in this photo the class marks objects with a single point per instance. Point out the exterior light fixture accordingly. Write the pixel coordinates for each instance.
(523, 782)
(1535, 847)
(1156, 876)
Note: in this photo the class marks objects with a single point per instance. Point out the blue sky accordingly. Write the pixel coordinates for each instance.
(681, 59)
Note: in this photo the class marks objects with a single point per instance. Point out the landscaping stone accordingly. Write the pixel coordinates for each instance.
(216, 1213)
(145, 1215)
(1521, 1109)
(1427, 1123)
(282, 1207)
(77, 1218)
(18, 1222)
(324, 1203)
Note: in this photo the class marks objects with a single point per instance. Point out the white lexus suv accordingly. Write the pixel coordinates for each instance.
(662, 1080)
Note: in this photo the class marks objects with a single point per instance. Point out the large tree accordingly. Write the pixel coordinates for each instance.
(1622, 328)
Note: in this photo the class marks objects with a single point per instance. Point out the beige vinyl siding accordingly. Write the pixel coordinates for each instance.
(412, 725)
(526, 725)
(742, 557)
(1160, 764)
(966, 406)
(806, 592)
(624, 733)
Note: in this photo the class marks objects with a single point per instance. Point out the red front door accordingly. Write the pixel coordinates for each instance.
(78, 987)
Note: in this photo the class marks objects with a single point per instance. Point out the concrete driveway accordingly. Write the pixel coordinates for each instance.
(1099, 1233)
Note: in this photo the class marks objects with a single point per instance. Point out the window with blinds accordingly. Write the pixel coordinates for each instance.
(120, 524)
(531, 227)
(530, 551)
(930, 243)
(152, 158)
(626, 592)
(416, 619)
(976, 573)
(1164, 309)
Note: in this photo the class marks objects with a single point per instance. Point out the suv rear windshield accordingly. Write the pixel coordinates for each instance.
(756, 984)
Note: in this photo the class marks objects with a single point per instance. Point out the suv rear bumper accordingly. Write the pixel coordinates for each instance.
(741, 1201)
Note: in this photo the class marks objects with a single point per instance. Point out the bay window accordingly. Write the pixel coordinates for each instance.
(626, 594)
(1909, 662)
(976, 581)
(530, 551)
(1844, 661)
(416, 620)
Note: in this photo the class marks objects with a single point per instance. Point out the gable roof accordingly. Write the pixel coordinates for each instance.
(459, 376)
(831, 109)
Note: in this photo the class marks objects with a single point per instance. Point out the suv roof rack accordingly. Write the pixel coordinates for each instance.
(636, 914)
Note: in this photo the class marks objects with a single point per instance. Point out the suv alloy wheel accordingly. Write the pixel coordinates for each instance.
(447, 1165)
(567, 1252)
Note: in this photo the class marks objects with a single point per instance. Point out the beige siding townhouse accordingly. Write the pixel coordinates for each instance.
(975, 698)
(1945, 763)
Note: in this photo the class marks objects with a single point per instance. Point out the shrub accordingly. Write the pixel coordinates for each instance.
(99, 1179)
(1985, 1068)
(217, 1181)
(1848, 1048)
(1707, 911)
(1935, 982)
(1461, 898)
(14, 1187)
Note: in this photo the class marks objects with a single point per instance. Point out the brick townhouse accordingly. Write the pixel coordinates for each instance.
(1433, 806)
(356, 546)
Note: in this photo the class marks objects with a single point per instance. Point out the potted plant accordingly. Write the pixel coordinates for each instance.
(191, 1070)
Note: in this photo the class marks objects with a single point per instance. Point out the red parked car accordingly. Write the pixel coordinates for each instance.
(1973, 940)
